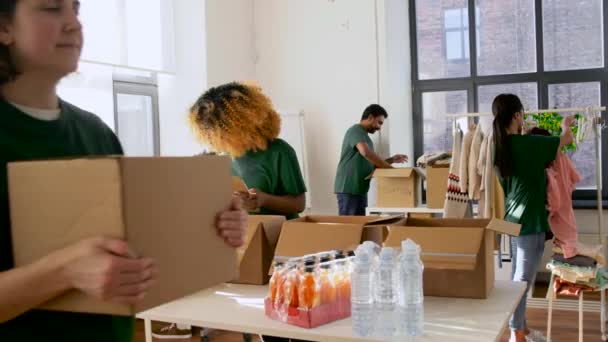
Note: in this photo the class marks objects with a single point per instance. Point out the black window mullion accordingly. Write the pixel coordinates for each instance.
(540, 54)
(472, 29)
(413, 41)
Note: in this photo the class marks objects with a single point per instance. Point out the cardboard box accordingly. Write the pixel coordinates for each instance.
(458, 254)
(436, 186)
(165, 208)
(314, 234)
(397, 188)
(255, 256)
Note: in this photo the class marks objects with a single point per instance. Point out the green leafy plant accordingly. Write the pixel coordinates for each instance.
(552, 122)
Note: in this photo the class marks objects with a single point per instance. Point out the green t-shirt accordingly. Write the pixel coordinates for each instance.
(526, 190)
(274, 171)
(75, 133)
(353, 168)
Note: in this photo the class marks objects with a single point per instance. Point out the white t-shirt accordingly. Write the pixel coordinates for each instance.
(40, 114)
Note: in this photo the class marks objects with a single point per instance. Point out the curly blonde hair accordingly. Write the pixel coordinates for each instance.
(235, 118)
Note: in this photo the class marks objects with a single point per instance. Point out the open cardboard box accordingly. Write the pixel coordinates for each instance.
(165, 208)
(314, 234)
(458, 254)
(396, 188)
(255, 256)
(436, 185)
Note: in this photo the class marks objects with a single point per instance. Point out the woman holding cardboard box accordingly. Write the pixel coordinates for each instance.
(520, 160)
(40, 43)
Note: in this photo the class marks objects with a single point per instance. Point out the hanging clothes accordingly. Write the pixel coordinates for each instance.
(456, 202)
(464, 159)
(492, 196)
(481, 168)
(562, 177)
(474, 175)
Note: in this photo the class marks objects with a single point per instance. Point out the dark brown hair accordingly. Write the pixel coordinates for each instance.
(504, 108)
(8, 71)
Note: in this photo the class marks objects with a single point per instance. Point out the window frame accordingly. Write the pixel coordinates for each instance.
(135, 85)
(583, 199)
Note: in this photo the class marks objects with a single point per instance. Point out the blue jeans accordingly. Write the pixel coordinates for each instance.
(526, 253)
(352, 205)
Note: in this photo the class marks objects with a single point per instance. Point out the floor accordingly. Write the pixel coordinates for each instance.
(565, 328)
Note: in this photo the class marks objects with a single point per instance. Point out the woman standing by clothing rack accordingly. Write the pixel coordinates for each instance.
(520, 161)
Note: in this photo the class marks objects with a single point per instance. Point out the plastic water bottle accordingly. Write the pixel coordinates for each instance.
(411, 296)
(386, 294)
(362, 304)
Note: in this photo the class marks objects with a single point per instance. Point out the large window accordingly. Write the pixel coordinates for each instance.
(129, 33)
(551, 53)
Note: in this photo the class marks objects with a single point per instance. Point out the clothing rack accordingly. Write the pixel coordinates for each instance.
(595, 114)
(536, 111)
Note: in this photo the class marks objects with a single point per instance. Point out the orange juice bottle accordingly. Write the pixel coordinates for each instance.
(326, 284)
(309, 290)
(279, 300)
(291, 287)
(272, 284)
(340, 277)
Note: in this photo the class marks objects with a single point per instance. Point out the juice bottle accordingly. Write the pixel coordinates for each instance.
(309, 290)
(326, 284)
(291, 287)
(272, 284)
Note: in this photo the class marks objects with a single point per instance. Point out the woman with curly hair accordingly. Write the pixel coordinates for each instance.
(238, 119)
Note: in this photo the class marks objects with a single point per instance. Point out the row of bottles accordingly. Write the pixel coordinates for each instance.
(312, 281)
(387, 292)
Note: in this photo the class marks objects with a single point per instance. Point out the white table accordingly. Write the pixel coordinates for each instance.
(388, 211)
(240, 308)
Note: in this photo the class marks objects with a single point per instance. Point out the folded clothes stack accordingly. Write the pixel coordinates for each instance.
(434, 159)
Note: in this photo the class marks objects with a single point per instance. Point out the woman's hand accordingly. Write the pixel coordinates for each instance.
(232, 224)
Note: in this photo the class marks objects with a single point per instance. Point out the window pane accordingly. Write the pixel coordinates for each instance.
(526, 91)
(102, 28)
(453, 19)
(506, 37)
(453, 45)
(135, 124)
(437, 128)
(433, 61)
(574, 95)
(573, 34)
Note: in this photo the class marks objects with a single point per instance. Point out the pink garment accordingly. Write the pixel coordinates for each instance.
(561, 182)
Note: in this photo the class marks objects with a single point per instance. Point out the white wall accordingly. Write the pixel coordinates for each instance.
(230, 41)
(90, 88)
(318, 56)
(323, 57)
(395, 76)
(177, 92)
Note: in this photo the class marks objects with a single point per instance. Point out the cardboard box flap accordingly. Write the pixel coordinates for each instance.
(394, 173)
(446, 222)
(238, 185)
(386, 220)
(162, 200)
(442, 248)
(298, 238)
(271, 224)
(327, 219)
(504, 227)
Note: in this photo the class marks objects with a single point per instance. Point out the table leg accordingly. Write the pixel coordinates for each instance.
(603, 314)
(580, 317)
(148, 329)
(550, 315)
